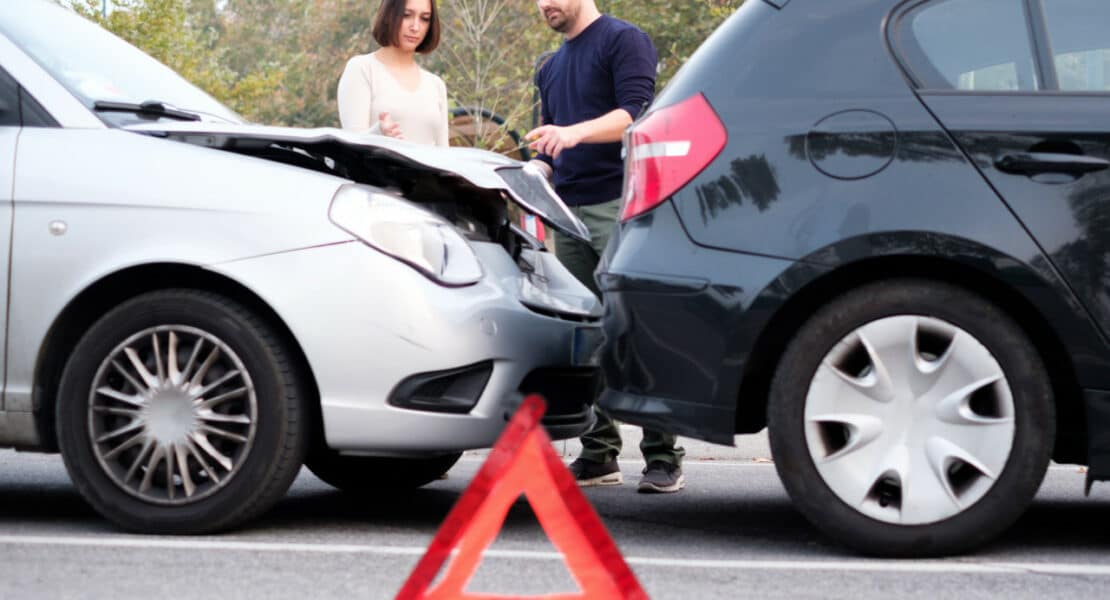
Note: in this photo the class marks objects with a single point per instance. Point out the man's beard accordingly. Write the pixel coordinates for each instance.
(560, 22)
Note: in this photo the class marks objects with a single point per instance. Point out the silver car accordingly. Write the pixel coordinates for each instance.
(195, 306)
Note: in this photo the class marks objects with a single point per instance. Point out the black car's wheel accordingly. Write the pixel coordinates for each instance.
(178, 412)
(911, 418)
(373, 474)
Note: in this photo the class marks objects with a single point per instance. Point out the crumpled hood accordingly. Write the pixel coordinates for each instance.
(523, 183)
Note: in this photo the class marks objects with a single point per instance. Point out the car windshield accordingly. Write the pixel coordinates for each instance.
(97, 66)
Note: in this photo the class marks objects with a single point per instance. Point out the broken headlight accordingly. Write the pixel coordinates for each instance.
(406, 232)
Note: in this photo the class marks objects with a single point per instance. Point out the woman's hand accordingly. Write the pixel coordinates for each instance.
(388, 126)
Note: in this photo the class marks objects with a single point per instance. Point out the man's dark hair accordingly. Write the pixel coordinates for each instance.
(387, 26)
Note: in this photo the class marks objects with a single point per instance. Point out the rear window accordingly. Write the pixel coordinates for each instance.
(972, 45)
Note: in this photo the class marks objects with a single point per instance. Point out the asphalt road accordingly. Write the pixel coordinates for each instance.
(732, 533)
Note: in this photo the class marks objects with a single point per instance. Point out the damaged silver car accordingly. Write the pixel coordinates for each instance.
(196, 306)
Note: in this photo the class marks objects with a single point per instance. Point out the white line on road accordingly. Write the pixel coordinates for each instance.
(760, 463)
(862, 565)
(768, 463)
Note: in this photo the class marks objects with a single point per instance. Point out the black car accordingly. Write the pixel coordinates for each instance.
(881, 229)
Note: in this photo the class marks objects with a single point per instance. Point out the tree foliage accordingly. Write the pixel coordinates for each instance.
(278, 61)
(179, 34)
(490, 47)
(676, 27)
(310, 40)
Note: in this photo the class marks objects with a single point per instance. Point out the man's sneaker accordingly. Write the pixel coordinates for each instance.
(589, 473)
(662, 477)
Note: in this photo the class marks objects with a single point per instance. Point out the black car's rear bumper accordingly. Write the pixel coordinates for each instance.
(676, 346)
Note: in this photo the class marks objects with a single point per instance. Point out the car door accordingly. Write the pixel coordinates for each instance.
(1024, 88)
(9, 133)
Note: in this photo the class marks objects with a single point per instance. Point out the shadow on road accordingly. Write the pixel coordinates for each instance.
(757, 521)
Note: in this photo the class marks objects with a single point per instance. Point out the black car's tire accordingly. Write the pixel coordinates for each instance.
(363, 475)
(834, 351)
(229, 416)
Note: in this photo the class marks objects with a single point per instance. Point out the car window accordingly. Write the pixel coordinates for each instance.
(32, 113)
(973, 45)
(1079, 33)
(9, 100)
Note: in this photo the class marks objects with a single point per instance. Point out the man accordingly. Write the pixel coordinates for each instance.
(591, 90)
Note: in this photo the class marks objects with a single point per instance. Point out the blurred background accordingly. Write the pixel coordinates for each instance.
(277, 62)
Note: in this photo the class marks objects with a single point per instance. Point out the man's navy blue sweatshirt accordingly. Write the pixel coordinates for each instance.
(609, 65)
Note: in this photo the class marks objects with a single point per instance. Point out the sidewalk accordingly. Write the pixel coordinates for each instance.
(749, 448)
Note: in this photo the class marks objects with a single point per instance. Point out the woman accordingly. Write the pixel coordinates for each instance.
(386, 92)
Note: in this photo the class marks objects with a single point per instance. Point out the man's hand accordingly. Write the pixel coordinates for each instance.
(553, 139)
(388, 126)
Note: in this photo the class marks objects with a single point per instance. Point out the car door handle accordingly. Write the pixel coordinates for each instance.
(1033, 163)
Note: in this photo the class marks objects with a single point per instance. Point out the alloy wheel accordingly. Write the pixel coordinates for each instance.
(172, 414)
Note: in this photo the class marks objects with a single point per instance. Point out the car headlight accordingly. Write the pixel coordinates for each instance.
(406, 232)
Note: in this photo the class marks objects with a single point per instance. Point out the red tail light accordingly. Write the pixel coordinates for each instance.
(666, 150)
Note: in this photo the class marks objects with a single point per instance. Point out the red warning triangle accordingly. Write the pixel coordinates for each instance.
(523, 461)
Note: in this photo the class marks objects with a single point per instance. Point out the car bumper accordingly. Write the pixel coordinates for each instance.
(367, 322)
(680, 321)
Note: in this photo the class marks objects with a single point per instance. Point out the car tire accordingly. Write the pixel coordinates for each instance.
(891, 411)
(365, 475)
(207, 434)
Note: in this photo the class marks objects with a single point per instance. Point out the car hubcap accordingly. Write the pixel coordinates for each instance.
(172, 414)
(909, 420)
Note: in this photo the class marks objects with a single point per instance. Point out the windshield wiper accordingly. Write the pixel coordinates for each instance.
(152, 108)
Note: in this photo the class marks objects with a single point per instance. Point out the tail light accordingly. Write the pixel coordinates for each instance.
(666, 150)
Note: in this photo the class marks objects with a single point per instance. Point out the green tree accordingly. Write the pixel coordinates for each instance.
(309, 41)
(279, 61)
(486, 57)
(676, 27)
(170, 31)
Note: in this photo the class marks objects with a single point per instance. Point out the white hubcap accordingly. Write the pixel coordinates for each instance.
(909, 420)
